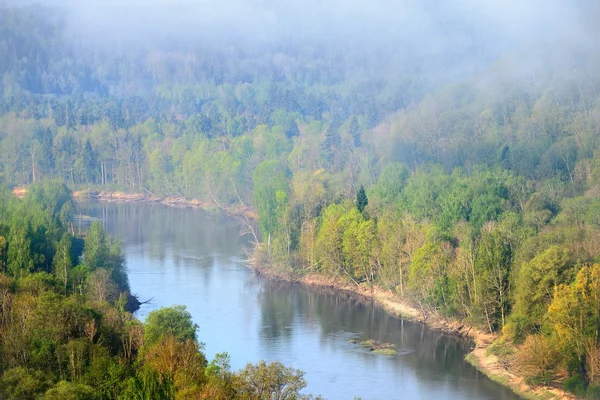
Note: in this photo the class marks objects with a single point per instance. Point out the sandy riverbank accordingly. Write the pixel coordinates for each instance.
(172, 201)
(480, 358)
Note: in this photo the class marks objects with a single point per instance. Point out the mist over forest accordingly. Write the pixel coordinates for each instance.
(447, 152)
(334, 40)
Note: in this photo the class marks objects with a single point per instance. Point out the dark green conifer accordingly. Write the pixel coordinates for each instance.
(361, 199)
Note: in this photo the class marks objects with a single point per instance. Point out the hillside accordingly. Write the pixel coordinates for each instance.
(453, 159)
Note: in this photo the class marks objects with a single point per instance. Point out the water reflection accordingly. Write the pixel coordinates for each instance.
(156, 229)
(285, 306)
(179, 256)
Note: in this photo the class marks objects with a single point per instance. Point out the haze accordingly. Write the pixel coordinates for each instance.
(455, 37)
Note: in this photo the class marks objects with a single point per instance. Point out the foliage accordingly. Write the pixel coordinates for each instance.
(175, 321)
(540, 361)
(482, 189)
(70, 391)
(65, 332)
(269, 381)
(270, 195)
(575, 385)
(361, 199)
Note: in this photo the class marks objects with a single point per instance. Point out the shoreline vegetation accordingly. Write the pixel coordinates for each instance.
(481, 357)
(452, 159)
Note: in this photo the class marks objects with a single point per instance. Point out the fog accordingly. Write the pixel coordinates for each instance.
(452, 39)
(430, 25)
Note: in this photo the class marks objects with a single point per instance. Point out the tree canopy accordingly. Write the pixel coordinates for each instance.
(448, 161)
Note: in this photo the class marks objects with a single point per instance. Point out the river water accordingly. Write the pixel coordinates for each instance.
(185, 256)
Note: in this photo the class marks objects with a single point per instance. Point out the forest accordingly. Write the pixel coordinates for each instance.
(66, 325)
(463, 177)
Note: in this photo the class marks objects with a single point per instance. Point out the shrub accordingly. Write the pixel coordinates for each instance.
(540, 361)
(593, 392)
(575, 385)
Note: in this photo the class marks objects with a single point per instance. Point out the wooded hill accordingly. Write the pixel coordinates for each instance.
(481, 185)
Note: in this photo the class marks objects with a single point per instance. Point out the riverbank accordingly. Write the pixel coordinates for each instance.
(173, 201)
(480, 357)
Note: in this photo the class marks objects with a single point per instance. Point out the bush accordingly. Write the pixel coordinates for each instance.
(517, 328)
(593, 392)
(575, 385)
(70, 391)
(19, 383)
(269, 381)
(540, 360)
(167, 321)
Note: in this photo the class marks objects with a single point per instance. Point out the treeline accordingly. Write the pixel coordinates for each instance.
(90, 114)
(66, 328)
(482, 205)
(123, 116)
(479, 201)
(480, 208)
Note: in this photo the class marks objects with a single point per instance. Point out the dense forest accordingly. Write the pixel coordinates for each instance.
(66, 328)
(465, 178)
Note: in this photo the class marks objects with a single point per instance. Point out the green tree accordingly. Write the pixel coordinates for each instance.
(147, 384)
(220, 378)
(96, 251)
(359, 242)
(65, 390)
(328, 244)
(64, 260)
(428, 279)
(20, 261)
(269, 381)
(390, 183)
(51, 195)
(270, 195)
(331, 145)
(180, 362)
(536, 283)
(220, 365)
(21, 384)
(399, 239)
(3, 255)
(493, 267)
(422, 191)
(291, 128)
(166, 321)
(102, 252)
(361, 199)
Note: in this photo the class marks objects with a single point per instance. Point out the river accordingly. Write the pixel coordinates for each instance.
(190, 257)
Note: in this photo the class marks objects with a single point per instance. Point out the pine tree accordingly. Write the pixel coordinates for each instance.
(361, 199)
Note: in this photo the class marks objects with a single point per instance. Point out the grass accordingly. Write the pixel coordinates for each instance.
(368, 343)
(384, 349)
(385, 352)
(500, 349)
